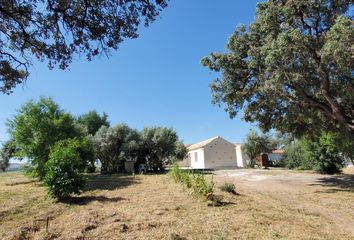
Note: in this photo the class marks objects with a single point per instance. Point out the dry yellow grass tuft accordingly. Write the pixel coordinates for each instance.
(154, 207)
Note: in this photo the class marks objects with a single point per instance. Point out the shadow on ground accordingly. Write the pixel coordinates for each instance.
(84, 200)
(20, 183)
(109, 182)
(339, 183)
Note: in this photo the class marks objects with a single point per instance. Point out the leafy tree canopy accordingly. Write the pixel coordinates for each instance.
(292, 68)
(6, 153)
(92, 121)
(36, 128)
(57, 30)
(159, 145)
(256, 144)
(321, 155)
(114, 145)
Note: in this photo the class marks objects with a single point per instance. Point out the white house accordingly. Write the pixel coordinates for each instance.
(241, 157)
(214, 153)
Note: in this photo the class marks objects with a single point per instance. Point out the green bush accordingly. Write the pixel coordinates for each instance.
(228, 187)
(297, 154)
(322, 155)
(201, 186)
(186, 179)
(176, 172)
(196, 181)
(64, 167)
(326, 156)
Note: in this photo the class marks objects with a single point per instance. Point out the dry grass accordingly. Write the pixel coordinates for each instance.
(154, 207)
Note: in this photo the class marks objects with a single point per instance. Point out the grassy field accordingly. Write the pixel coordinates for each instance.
(155, 207)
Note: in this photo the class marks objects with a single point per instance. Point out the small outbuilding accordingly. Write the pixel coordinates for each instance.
(214, 153)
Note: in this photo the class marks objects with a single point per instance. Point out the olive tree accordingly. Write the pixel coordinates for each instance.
(256, 144)
(113, 145)
(159, 145)
(92, 121)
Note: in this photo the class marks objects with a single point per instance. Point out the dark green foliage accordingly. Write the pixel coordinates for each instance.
(256, 144)
(6, 153)
(298, 155)
(345, 144)
(92, 121)
(64, 167)
(115, 145)
(159, 146)
(180, 151)
(228, 187)
(4, 164)
(321, 155)
(58, 30)
(326, 156)
(291, 69)
(36, 128)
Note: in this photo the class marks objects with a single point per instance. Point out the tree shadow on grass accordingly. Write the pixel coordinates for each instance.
(109, 182)
(339, 183)
(21, 182)
(84, 200)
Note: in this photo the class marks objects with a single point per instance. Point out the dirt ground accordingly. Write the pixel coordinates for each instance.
(272, 204)
(325, 195)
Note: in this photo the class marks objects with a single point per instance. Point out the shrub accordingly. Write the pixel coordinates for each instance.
(63, 169)
(181, 176)
(228, 187)
(298, 155)
(186, 179)
(190, 180)
(200, 185)
(326, 156)
(176, 172)
(321, 155)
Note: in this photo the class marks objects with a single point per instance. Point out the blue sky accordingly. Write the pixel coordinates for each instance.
(154, 80)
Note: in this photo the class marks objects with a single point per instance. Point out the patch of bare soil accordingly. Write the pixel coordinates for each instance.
(328, 196)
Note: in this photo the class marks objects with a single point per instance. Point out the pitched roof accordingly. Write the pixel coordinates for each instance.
(202, 144)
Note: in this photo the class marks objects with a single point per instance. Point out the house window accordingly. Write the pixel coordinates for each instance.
(196, 157)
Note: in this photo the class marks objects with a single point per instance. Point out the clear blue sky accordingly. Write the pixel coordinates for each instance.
(156, 79)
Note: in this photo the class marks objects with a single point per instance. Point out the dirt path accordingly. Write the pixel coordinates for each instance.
(325, 195)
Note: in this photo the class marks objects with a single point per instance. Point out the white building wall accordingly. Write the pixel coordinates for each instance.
(196, 158)
(219, 154)
(241, 158)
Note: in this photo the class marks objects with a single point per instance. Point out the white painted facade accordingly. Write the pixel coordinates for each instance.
(241, 158)
(215, 153)
(196, 158)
